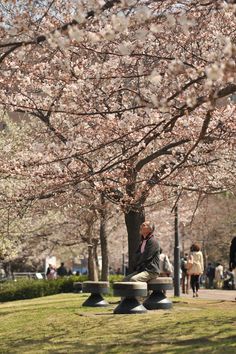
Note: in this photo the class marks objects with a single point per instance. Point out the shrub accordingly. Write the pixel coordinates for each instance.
(115, 277)
(30, 288)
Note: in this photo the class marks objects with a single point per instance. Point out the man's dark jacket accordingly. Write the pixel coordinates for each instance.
(61, 271)
(150, 258)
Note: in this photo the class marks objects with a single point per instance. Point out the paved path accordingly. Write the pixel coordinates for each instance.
(212, 294)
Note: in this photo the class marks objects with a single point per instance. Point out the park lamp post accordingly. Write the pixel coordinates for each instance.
(176, 255)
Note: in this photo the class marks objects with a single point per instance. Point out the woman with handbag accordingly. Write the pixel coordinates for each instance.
(195, 268)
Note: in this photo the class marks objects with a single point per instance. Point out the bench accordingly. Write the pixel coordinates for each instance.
(129, 291)
(77, 286)
(157, 299)
(96, 288)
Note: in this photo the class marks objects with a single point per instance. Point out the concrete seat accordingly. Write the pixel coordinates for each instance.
(77, 286)
(96, 288)
(157, 299)
(130, 291)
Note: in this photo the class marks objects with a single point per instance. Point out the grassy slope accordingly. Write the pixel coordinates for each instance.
(58, 324)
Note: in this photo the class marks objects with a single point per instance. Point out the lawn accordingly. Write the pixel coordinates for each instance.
(59, 324)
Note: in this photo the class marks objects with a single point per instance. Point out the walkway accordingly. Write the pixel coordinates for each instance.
(211, 294)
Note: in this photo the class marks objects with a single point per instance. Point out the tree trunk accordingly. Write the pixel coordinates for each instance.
(7, 269)
(103, 240)
(133, 220)
(92, 264)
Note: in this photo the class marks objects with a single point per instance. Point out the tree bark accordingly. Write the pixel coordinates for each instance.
(133, 220)
(103, 240)
(7, 269)
(92, 264)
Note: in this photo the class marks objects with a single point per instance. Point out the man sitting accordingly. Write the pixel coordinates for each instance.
(147, 257)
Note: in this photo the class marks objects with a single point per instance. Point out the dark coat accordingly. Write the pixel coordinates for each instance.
(148, 260)
(61, 271)
(210, 272)
(232, 254)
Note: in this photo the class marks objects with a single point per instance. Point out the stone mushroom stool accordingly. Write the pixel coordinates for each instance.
(130, 291)
(77, 286)
(157, 299)
(96, 288)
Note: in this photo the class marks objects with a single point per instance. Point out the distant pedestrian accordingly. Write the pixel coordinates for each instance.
(232, 254)
(228, 282)
(2, 273)
(62, 271)
(232, 258)
(51, 272)
(195, 268)
(219, 276)
(210, 274)
(185, 277)
(118, 271)
(111, 270)
(166, 268)
(71, 273)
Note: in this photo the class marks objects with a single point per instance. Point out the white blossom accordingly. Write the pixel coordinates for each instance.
(171, 20)
(142, 14)
(155, 78)
(176, 66)
(93, 37)
(215, 72)
(76, 34)
(125, 48)
(119, 22)
(156, 28)
(141, 34)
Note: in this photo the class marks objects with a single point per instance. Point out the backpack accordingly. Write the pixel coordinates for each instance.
(166, 266)
(184, 265)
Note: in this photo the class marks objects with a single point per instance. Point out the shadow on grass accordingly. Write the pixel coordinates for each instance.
(90, 331)
(56, 344)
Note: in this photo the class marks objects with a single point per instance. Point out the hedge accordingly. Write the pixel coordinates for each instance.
(31, 288)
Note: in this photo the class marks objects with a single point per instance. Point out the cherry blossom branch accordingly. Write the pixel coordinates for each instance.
(42, 38)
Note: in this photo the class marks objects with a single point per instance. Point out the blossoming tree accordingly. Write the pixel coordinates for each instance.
(133, 96)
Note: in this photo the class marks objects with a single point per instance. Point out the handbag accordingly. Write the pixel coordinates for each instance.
(189, 262)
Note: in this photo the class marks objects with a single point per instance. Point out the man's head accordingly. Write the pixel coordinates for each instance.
(146, 228)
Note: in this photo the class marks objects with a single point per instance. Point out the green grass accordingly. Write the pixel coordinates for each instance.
(59, 324)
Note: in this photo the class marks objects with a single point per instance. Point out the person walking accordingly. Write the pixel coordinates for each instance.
(62, 271)
(147, 257)
(219, 276)
(232, 259)
(51, 272)
(195, 268)
(210, 274)
(228, 282)
(166, 268)
(185, 276)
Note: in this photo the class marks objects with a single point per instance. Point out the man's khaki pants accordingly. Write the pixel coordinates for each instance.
(140, 276)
